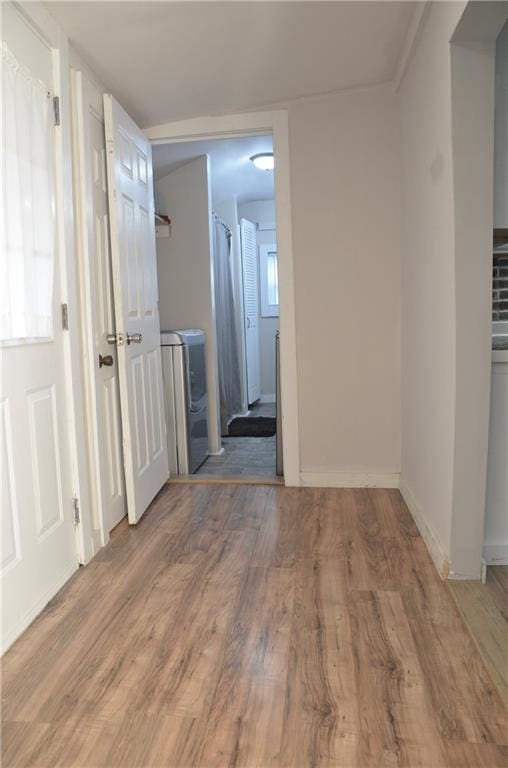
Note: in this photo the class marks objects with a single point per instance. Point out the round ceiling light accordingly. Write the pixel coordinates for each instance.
(264, 161)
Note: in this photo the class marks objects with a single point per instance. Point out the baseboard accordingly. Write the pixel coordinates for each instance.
(495, 554)
(439, 558)
(266, 399)
(216, 453)
(8, 638)
(350, 479)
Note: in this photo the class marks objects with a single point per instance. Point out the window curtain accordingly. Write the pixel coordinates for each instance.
(28, 205)
(227, 341)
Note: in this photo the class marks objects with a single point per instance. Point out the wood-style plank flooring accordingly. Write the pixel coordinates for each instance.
(485, 611)
(254, 626)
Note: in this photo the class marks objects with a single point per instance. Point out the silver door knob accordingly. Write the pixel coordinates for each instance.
(134, 338)
(115, 338)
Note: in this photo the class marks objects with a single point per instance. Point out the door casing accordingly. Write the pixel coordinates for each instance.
(249, 124)
(87, 101)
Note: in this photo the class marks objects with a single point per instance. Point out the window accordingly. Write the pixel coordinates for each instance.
(28, 220)
(269, 280)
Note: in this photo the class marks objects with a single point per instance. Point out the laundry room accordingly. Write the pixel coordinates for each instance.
(219, 306)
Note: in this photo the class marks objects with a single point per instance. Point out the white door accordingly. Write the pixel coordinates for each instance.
(251, 308)
(105, 438)
(38, 540)
(132, 223)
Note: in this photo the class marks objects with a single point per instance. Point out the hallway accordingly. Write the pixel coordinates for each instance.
(254, 626)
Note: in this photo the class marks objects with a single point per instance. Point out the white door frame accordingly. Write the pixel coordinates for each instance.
(248, 124)
(45, 26)
(82, 202)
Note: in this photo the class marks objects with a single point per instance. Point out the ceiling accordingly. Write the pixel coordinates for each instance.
(167, 61)
(232, 172)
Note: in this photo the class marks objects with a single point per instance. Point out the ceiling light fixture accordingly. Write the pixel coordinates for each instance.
(264, 161)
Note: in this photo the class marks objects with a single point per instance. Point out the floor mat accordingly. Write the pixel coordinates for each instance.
(252, 426)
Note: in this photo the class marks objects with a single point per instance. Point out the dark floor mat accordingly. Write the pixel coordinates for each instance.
(252, 426)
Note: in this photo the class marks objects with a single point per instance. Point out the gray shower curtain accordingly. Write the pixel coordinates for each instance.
(227, 337)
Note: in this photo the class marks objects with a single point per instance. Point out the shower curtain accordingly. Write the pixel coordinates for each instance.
(227, 337)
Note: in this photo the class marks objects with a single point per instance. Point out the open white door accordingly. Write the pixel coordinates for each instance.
(251, 308)
(132, 222)
(103, 395)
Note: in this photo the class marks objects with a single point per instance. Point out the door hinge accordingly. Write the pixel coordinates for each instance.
(65, 317)
(56, 109)
(77, 516)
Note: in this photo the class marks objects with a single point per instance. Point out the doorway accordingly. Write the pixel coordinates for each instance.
(274, 123)
(217, 271)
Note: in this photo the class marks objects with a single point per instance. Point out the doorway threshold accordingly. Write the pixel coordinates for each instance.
(203, 479)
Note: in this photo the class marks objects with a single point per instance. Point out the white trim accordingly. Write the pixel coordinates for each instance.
(420, 12)
(214, 126)
(434, 548)
(495, 554)
(251, 123)
(99, 536)
(350, 479)
(216, 453)
(267, 399)
(69, 295)
(27, 618)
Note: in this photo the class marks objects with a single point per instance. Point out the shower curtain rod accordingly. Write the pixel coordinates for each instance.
(224, 225)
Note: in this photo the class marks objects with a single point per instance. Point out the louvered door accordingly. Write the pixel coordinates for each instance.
(251, 308)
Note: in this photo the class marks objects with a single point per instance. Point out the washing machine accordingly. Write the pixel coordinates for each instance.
(185, 395)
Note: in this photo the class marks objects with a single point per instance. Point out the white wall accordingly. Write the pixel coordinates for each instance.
(428, 319)
(263, 212)
(473, 74)
(446, 104)
(345, 188)
(184, 263)
(496, 514)
(501, 132)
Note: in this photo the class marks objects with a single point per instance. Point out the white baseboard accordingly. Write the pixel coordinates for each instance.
(216, 453)
(495, 554)
(12, 634)
(436, 551)
(350, 479)
(266, 399)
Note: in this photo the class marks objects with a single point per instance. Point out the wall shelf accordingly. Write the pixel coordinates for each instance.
(162, 225)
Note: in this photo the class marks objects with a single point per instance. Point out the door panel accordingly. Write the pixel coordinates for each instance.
(45, 454)
(38, 541)
(251, 308)
(130, 190)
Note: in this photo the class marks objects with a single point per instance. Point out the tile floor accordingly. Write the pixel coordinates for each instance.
(252, 456)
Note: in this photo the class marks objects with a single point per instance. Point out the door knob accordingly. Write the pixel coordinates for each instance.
(115, 338)
(105, 360)
(134, 338)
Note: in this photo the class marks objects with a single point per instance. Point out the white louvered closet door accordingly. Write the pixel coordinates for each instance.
(251, 308)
